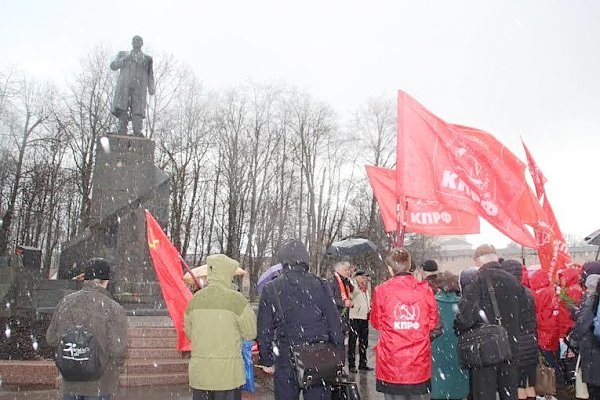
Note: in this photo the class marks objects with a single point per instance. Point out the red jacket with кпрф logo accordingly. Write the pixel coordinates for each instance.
(404, 311)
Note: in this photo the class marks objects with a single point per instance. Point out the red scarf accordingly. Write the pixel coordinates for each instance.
(343, 288)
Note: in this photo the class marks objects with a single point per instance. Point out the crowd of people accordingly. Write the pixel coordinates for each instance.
(421, 315)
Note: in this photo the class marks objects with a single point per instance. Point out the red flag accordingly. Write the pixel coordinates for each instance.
(552, 249)
(464, 168)
(539, 180)
(427, 217)
(165, 258)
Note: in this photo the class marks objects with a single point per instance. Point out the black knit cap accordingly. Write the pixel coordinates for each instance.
(97, 268)
(429, 266)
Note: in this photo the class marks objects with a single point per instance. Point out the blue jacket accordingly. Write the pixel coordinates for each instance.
(310, 314)
(597, 325)
(448, 380)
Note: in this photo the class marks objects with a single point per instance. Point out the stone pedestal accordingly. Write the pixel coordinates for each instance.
(125, 182)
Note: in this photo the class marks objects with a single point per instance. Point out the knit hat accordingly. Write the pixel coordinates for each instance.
(592, 282)
(97, 268)
(429, 266)
(293, 253)
(483, 250)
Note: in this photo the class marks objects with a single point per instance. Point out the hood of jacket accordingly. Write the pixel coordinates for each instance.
(466, 276)
(294, 274)
(571, 276)
(293, 253)
(539, 280)
(221, 269)
(590, 268)
(514, 268)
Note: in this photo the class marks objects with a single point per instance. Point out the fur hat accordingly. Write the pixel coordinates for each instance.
(97, 268)
(483, 250)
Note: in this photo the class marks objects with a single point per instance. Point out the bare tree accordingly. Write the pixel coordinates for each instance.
(32, 107)
(232, 129)
(171, 79)
(312, 124)
(375, 130)
(86, 118)
(183, 148)
(264, 136)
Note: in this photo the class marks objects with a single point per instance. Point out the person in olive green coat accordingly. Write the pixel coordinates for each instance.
(217, 319)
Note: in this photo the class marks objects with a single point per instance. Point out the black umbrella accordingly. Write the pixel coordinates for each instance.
(351, 247)
(593, 238)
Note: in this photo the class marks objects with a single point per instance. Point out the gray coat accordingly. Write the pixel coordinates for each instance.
(93, 307)
(136, 78)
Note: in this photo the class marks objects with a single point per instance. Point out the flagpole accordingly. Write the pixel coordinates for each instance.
(187, 267)
(404, 222)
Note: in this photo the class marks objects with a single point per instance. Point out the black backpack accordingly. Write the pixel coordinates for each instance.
(78, 355)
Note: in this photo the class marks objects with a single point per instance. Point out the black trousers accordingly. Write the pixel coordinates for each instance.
(594, 392)
(359, 329)
(502, 378)
(234, 394)
(287, 389)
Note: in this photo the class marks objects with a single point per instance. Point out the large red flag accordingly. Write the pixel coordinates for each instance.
(464, 168)
(552, 249)
(165, 258)
(427, 217)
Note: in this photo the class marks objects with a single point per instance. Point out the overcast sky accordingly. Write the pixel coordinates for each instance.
(526, 69)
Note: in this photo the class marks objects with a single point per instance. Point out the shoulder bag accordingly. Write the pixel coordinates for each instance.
(487, 344)
(312, 363)
(545, 378)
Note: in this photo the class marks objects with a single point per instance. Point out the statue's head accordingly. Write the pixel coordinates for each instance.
(137, 42)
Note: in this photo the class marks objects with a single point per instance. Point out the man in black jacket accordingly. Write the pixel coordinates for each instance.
(526, 355)
(476, 307)
(307, 315)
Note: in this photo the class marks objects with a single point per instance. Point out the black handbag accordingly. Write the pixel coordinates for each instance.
(487, 344)
(312, 362)
(345, 391)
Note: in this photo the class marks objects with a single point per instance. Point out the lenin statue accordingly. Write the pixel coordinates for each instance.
(136, 76)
